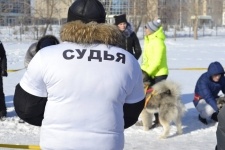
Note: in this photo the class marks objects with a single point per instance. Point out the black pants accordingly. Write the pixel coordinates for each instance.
(152, 82)
(158, 79)
(147, 78)
(2, 96)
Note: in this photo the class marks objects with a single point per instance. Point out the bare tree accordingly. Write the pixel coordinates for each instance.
(108, 9)
(45, 13)
(5, 7)
(216, 11)
(138, 13)
(51, 8)
(196, 19)
(67, 2)
(152, 10)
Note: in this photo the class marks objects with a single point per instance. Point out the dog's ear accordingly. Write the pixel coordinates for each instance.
(222, 96)
(168, 92)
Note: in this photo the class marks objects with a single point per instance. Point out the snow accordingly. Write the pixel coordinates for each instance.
(182, 53)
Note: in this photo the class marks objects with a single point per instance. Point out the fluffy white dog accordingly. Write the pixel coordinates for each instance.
(164, 98)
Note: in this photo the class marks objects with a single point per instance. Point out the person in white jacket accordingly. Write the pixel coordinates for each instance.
(84, 91)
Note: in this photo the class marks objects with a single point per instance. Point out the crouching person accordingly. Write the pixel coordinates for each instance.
(207, 88)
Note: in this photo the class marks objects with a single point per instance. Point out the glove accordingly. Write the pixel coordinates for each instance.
(4, 73)
(214, 116)
(145, 76)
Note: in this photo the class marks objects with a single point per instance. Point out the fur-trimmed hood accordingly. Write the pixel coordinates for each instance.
(128, 31)
(91, 33)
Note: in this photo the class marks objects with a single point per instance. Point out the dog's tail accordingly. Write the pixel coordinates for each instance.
(173, 89)
(168, 85)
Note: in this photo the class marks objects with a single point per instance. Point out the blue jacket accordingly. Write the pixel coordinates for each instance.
(207, 89)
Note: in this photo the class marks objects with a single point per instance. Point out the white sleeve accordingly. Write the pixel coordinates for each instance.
(32, 81)
(137, 93)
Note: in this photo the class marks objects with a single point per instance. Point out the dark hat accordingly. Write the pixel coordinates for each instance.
(45, 41)
(154, 25)
(86, 11)
(119, 19)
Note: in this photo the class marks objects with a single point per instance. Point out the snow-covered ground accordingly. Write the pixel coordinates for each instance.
(182, 53)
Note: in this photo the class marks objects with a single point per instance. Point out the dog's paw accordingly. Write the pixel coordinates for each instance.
(145, 128)
(179, 132)
(162, 137)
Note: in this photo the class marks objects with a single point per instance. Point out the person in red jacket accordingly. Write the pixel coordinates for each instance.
(3, 69)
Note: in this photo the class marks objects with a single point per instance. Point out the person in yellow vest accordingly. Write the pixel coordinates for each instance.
(154, 63)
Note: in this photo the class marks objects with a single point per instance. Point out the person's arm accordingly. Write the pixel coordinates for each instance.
(3, 60)
(223, 83)
(28, 107)
(136, 47)
(158, 50)
(31, 93)
(4, 66)
(220, 133)
(206, 94)
(145, 55)
(135, 99)
(132, 112)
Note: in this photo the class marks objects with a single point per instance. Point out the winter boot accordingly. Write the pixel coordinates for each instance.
(156, 122)
(3, 113)
(202, 120)
(214, 116)
(21, 121)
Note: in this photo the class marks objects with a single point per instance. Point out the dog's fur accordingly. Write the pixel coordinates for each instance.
(220, 102)
(167, 102)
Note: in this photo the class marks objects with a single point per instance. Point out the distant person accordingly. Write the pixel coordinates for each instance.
(84, 91)
(130, 41)
(3, 67)
(207, 88)
(154, 63)
(220, 133)
(46, 40)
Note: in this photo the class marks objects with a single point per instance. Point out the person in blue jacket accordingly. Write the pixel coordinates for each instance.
(207, 89)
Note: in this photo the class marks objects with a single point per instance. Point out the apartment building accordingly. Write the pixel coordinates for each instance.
(134, 9)
(172, 12)
(54, 11)
(14, 12)
(44, 8)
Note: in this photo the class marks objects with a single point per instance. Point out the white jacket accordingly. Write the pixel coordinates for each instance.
(86, 87)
